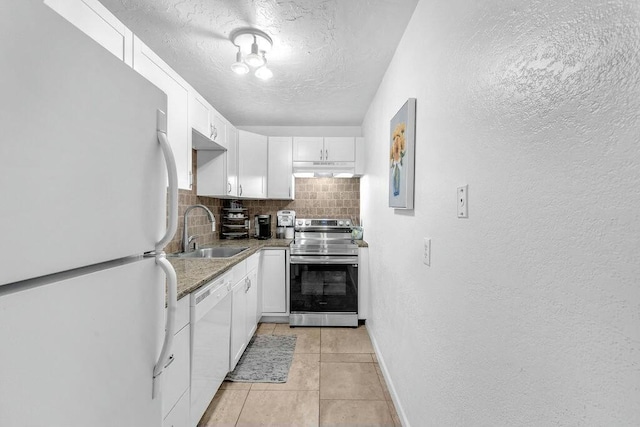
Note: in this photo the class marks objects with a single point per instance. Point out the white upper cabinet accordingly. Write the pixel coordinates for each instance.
(199, 111)
(360, 163)
(154, 69)
(218, 129)
(340, 149)
(327, 149)
(252, 165)
(206, 120)
(93, 19)
(232, 162)
(280, 182)
(308, 148)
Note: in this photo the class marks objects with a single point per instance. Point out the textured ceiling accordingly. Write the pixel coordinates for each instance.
(328, 57)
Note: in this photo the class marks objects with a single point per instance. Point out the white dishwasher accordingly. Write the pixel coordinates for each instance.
(210, 335)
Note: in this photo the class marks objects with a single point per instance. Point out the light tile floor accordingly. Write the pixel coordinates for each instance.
(334, 380)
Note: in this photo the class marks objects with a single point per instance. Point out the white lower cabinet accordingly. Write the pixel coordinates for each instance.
(179, 415)
(273, 282)
(244, 307)
(238, 322)
(175, 393)
(253, 310)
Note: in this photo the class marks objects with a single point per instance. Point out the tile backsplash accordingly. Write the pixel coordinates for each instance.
(314, 198)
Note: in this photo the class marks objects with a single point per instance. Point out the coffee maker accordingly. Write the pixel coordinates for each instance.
(263, 226)
(286, 221)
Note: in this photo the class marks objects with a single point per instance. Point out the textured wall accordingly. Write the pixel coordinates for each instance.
(530, 311)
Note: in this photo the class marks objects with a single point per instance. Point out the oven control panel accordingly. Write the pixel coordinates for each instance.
(325, 224)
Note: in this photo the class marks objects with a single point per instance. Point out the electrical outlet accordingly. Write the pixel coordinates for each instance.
(427, 251)
(462, 201)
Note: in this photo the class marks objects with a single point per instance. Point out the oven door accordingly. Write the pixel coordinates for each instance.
(324, 284)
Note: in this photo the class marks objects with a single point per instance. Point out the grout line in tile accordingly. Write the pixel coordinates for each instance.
(242, 409)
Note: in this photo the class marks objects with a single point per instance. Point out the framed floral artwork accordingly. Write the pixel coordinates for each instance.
(402, 156)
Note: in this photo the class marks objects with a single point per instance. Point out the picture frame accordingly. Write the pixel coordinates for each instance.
(402, 146)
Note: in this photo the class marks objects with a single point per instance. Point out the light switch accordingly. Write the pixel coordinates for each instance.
(461, 195)
(426, 257)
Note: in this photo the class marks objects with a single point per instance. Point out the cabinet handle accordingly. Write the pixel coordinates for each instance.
(240, 190)
(170, 361)
(214, 132)
(321, 157)
(326, 154)
(229, 187)
(289, 191)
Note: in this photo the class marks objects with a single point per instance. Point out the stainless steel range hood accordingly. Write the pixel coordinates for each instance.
(324, 169)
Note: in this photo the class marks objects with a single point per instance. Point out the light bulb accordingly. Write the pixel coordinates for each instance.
(264, 73)
(239, 67)
(254, 59)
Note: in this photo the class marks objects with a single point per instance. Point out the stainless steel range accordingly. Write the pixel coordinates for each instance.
(324, 274)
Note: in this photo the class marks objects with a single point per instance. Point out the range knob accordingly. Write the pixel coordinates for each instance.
(299, 222)
(340, 222)
(307, 223)
(348, 223)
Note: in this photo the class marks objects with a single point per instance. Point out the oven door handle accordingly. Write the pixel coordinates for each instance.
(325, 260)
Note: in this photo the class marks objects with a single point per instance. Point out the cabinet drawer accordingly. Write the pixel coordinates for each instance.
(179, 415)
(176, 375)
(238, 272)
(253, 261)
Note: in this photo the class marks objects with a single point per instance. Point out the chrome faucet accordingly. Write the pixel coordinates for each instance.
(186, 239)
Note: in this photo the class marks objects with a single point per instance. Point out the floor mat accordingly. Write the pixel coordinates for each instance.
(267, 359)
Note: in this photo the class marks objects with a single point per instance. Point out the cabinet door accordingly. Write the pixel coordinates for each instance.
(308, 148)
(280, 168)
(360, 159)
(93, 19)
(149, 65)
(179, 415)
(177, 374)
(232, 162)
(252, 165)
(238, 322)
(340, 149)
(252, 304)
(199, 113)
(218, 129)
(273, 281)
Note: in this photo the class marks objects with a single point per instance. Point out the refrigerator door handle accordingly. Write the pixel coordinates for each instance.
(170, 326)
(172, 223)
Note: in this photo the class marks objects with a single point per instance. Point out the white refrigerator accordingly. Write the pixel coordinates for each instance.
(87, 298)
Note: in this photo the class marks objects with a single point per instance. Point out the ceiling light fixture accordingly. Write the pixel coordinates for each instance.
(263, 72)
(258, 43)
(239, 67)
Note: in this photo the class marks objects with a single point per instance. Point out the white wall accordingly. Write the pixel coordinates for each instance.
(530, 311)
(304, 130)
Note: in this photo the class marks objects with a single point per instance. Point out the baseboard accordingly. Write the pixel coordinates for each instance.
(274, 319)
(387, 378)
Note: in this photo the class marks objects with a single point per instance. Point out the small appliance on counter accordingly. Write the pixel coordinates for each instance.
(263, 226)
(285, 224)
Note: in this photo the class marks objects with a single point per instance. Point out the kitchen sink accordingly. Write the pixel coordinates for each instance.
(216, 252)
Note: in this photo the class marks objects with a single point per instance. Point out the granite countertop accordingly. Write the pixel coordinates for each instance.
(195, 272)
